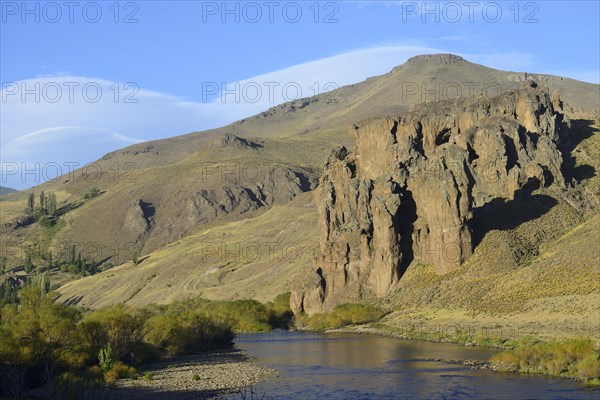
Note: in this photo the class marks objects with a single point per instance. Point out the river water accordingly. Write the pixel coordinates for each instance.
(354, 366)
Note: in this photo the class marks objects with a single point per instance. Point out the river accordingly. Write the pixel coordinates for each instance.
(354, 366)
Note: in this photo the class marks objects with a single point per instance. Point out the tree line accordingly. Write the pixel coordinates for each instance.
(66, 351)
(47, 205)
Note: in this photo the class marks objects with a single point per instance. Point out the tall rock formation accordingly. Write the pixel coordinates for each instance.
(408, 190)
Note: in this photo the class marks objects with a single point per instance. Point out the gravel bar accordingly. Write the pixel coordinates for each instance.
(209, 375)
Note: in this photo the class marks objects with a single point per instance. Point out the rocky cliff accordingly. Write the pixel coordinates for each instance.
(408, 190)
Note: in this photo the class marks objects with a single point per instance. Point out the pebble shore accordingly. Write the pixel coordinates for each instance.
(210, 375)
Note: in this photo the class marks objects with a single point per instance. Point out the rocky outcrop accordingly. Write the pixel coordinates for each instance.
(139, 218)
(229, 140)
(408, 190)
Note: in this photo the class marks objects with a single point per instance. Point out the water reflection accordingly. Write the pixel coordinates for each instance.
(352, 366)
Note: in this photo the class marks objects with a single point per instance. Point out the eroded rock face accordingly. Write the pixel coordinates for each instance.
(408, 189)
(139, 218)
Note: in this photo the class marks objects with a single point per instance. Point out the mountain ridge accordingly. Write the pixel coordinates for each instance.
(220, 188)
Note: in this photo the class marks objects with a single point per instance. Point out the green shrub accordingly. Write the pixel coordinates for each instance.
(90, 194)
(589, 367)
(46, 221)
(280, 313)
(573, 358)
(68, 340)
(106, 358)
(196, 377)
(118, 325)
(148, 376)
(341, 315)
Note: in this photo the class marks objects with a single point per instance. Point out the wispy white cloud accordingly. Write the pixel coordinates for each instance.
(37, 125)
(52, 119)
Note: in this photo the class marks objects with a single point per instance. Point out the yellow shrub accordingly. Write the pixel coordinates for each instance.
(118, 371)
(589, 367)
(111, 376)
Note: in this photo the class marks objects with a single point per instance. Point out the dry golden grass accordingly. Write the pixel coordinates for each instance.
(255, 258)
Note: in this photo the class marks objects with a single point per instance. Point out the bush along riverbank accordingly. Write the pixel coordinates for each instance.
(63, 351)
(577, 358)
(574, 358)
(341, 316)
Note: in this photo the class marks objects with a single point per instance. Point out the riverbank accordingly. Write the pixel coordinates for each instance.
(208, 375)
(575, 358)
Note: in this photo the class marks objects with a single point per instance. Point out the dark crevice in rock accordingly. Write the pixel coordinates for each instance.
(306, 184)
(511, 152)
(443, 137)
(148, 210)
(472, 154)
(394, 130)
(407, 217)
(418, 144)
(253, 197)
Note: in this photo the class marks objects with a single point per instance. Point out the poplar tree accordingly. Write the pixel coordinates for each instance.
(43, 203)
(30, 203)
(51, 204)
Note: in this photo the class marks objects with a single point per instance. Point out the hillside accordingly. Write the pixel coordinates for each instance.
(194, 208)
(6, 190)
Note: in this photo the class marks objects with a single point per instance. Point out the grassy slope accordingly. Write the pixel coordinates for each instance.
(252, 258)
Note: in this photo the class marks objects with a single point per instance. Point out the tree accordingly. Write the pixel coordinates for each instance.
(40, 336)
(49, 261)
(51, 204)
(93, 268)
(2, 264)
(72, 255)
(45, 285)
(30, 203)
(135, 259)
(106, 358)
(43, 203)
(80, 266)
(28, 263)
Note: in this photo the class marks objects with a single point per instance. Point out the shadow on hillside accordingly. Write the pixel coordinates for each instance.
(502, 214)
(581, 129)
(68, 207)
(73, 301)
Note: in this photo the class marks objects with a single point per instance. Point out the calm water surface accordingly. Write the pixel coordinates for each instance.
(353, 366)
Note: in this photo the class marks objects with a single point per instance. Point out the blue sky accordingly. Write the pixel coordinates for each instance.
(157, 65)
